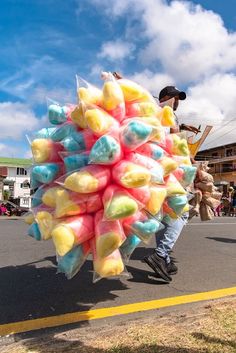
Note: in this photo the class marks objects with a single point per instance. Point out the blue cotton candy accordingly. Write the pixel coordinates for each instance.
(36, 198)
(45, 173)
(177, 203)
(62, 132)
(71, 263)
(149, 227)
(75, 162)
(129, 245)
(34, 231)
(189, 174)
(136, 133)
(57, 114)
(71, 145)
(45, 133)
(157, 152)
(105, 150)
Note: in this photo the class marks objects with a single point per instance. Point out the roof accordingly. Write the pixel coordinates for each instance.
(15, 162)
(218, 146)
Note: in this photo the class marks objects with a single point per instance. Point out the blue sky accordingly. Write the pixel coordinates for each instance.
(45, 43)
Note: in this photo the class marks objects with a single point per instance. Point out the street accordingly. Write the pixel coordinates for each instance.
(31, 288)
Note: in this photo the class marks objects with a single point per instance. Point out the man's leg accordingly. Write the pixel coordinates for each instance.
(166, 239)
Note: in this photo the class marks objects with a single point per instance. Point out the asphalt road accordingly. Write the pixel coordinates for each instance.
(30, 287)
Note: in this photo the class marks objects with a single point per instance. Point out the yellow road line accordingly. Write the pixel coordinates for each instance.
(53, 321)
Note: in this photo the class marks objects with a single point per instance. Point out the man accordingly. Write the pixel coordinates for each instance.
(160, 261)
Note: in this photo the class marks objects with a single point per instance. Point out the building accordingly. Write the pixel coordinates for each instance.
(222, 163)
(15, 176)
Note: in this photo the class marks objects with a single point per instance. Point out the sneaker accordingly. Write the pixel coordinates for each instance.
(158, 265)
(172, 269)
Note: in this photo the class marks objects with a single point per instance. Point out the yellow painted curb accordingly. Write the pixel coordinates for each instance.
(59, 320)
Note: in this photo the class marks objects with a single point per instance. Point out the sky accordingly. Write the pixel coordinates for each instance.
(45, 43)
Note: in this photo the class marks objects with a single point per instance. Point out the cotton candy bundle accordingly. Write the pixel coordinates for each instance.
(104, 172)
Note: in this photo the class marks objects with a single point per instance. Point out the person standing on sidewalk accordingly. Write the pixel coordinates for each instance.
(160, 260)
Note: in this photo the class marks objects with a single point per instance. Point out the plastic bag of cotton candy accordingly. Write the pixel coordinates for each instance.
(105, 173)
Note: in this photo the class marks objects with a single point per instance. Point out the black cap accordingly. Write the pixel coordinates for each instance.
(171, 91)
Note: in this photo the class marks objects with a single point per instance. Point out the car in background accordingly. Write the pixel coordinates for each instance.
(14, 210)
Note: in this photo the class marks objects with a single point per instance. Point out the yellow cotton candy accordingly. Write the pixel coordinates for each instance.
(98, 121)
(77, 116)
(185, 209)
(183, 160)
(45, 222)
(107, 243)
(107, 267)
(148, 109)
(90, 95)
(175, 188)
(40, 150)
(157, 197)
(63, 238)
(82, 182)
(64, 206)
(167, 116)
(135, 176)
(49, 197)
(169, 165)
(132, 91)
(112, 95)
(29, 218)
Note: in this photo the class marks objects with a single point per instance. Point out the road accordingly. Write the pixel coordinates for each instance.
(30, 287)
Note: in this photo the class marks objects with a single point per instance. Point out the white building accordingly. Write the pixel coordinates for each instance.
(17, 179)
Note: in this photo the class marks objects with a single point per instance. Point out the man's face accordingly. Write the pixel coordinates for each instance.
(176, 103)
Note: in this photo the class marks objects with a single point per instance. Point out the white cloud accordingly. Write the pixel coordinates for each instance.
(116, 50)
(16, 119)
(190, 42)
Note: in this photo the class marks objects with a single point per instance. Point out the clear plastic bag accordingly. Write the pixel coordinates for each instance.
(45, 173)
(77, 116)
(46, 222)
(142, 225)
(130, 244)
(151, 150)
(46, 150)
(109, 235)
(135, 132)
(89, 179)
(142, 109)
(133, 92)
(63, 131)
(113, 98)
(99, 121)
(118, 203)
(177, 203)
(110, 266)
(79, 141)
(69, 203)
(57, 114)
(173, 187)
(106, 150)
(74, 161)
(88, 93)
(71, 263)
(72, 231)
(155, 168)
(131, 175)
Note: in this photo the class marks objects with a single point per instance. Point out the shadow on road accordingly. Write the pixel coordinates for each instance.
(223, 240)
(29, 292)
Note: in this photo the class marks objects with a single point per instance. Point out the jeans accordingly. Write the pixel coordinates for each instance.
(167, 237)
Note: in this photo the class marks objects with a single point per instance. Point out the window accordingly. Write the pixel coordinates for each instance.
(229, 152)
(25, 201)
(25, 185)
(21, 171)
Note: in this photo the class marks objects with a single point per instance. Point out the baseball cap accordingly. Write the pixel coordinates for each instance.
(172, 91)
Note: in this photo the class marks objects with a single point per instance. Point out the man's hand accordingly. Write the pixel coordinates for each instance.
(190, 128)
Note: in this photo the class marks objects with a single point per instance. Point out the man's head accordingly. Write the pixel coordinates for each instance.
(171, 92)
